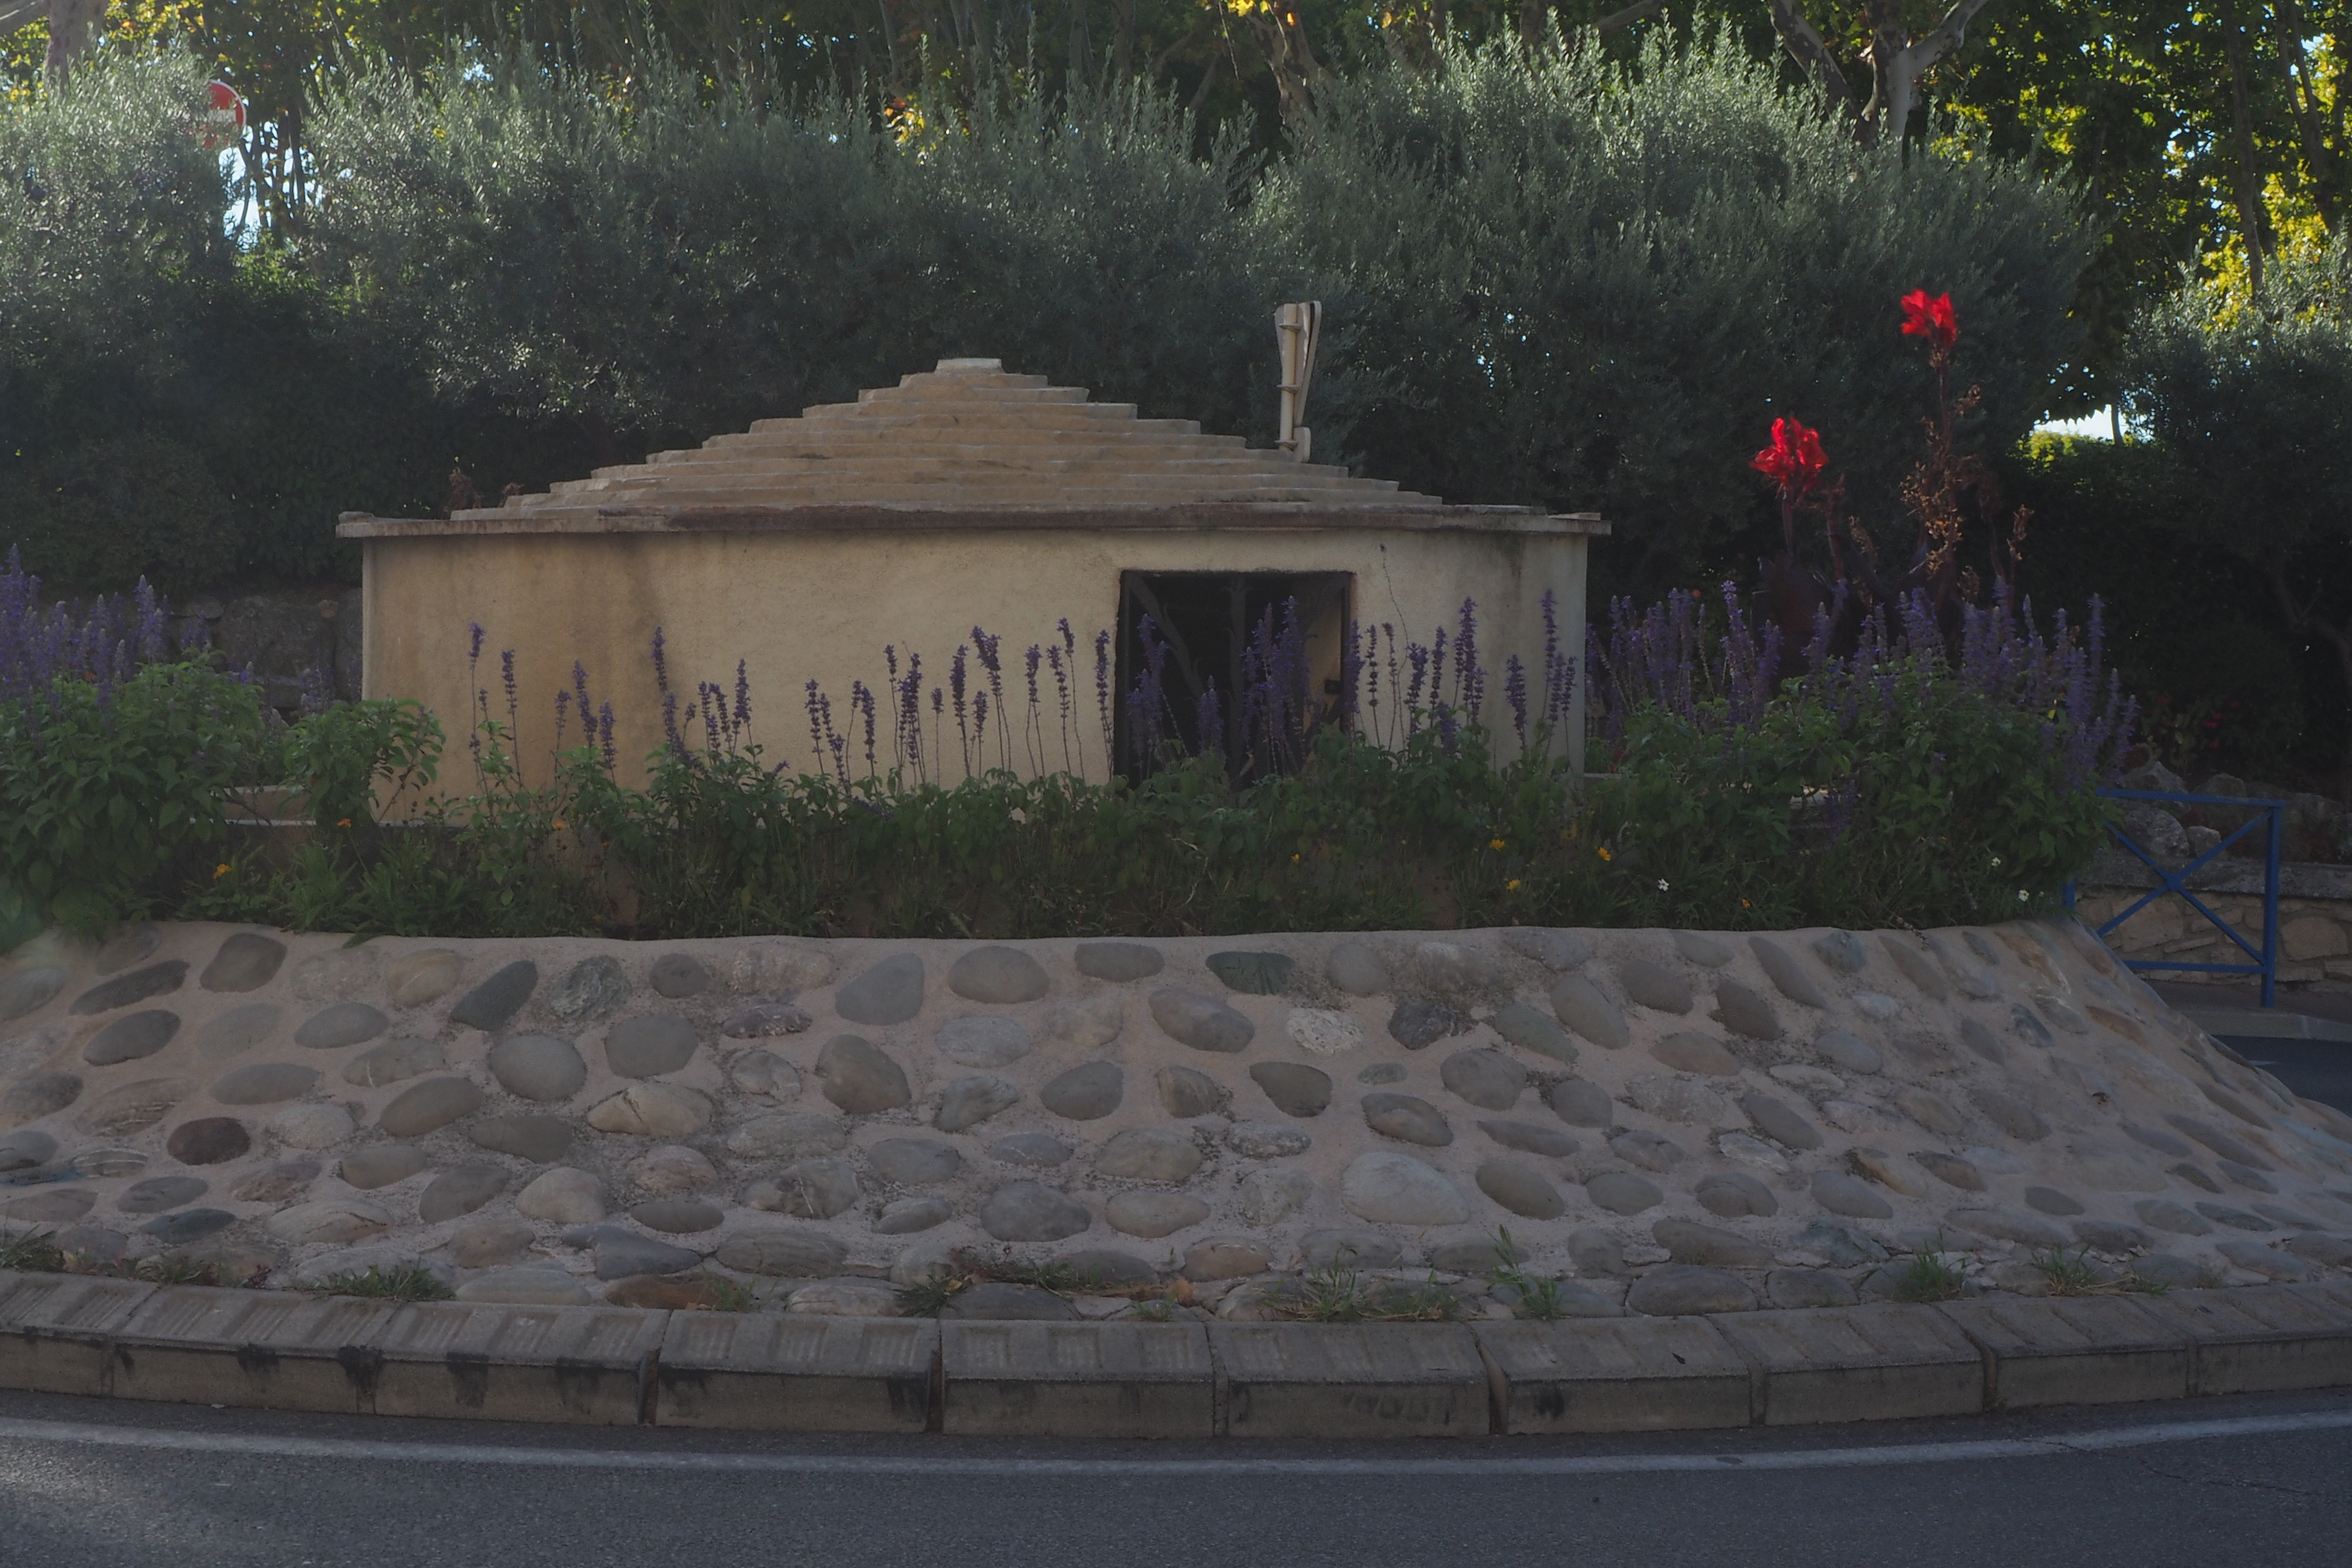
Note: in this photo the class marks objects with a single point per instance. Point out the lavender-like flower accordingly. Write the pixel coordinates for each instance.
(1515, 696)
(861, 702)
(1470, 676)
(1210, 722)
(318, 690)
(957, 680)
(1061, 670)
(1102, 683)
(986, 647)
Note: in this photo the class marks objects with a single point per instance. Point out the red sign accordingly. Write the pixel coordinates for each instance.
(221, 123)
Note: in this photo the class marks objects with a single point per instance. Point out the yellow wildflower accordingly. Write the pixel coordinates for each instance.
(1512, 886)
(1493, 844)
(1604, 853)
(220, 870)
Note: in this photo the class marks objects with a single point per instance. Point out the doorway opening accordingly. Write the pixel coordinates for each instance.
(1246, 663)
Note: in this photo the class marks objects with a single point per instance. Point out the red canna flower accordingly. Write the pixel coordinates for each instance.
(1794, 460)
(1930, 319)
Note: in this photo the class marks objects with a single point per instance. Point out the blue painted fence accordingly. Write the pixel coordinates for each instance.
(2270, 816)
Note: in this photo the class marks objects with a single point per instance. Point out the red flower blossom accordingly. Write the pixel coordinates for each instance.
(1930, 319)
(1794, 460)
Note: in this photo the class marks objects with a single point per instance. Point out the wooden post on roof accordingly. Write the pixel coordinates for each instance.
(1298, 329)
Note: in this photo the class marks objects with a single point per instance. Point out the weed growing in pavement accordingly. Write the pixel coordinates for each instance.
(414, 1283)
(1427, 1302)
(2073, 1274)
(1334, 1293)
(180, 1269)
(1531, 1295)
(1929, 1277)
(1338, 1293)
(35, 1252)
(1053, 1274)
(728, 1295)
(926, 1297)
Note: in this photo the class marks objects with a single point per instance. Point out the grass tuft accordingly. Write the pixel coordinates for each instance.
(35, 1252)
(927, 1297)
(2073, 1274)
(1158, 1309)
(1338, 1293)
(181, 1269)
(729, 1295)
(1927, 1277)
(414, 1283)
(1529, 1295)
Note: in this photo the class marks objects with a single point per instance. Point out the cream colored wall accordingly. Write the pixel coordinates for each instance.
(797, 606)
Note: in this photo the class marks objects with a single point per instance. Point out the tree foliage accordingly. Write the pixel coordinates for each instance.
(1557, 282)
(2245, 394)
(1593, 288)
(682, 264)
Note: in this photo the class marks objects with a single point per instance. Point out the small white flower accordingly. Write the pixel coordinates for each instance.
(2021, 895)
(1662, 884)
(1996, 862)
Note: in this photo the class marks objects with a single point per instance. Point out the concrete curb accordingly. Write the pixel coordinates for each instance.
(63, 1333)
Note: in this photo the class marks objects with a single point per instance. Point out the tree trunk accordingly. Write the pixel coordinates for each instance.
(1805, 47)
(1617, 21)
(2303, 93)
(71, 22)
(1082, 47)
(2241, 135)
(1897, 61)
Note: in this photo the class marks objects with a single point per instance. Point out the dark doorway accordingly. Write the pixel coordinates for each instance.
(1214, 630)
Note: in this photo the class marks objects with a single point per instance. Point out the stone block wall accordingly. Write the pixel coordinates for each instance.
(282, 635)
(2315, 933)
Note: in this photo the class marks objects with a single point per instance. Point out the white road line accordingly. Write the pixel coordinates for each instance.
(945, 1463)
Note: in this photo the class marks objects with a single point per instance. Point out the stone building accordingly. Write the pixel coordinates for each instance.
(963, 497)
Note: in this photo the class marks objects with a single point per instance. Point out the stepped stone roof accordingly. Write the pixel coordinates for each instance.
(969, 443)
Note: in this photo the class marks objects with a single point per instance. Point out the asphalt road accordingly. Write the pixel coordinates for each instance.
(89, 1484)
(2315, 1070)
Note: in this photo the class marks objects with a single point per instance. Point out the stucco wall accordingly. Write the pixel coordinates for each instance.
(796, 606)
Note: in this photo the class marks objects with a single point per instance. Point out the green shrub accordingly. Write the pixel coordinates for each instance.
(339, 757)
(1943, 804)
(144, 505)
(106, 789)
(2192, 629)
(2245, 394)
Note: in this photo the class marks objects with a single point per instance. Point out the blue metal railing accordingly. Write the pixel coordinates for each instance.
(2272, 815)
